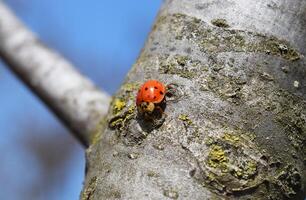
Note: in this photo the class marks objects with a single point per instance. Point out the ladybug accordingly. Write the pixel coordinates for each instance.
(151, 97)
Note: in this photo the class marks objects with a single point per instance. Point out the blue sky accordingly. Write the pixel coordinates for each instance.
(101, 38)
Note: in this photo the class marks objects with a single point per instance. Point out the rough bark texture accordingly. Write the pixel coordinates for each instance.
(72, 97)
(238, 128)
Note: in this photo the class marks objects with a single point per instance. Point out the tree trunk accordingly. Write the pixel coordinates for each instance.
(236, 125)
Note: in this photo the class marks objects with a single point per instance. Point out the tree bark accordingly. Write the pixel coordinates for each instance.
(236, 128)
(72, 97)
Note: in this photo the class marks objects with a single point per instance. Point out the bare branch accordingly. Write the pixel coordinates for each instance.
(71, 96)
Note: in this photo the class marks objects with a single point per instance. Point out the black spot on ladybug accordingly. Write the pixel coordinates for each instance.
(154, 97)
(160, 92)
(155, 87)
(146, 88)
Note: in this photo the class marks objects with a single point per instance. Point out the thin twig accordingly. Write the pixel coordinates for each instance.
(72, 97)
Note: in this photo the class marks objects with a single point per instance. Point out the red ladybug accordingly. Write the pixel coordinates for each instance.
(150, 95)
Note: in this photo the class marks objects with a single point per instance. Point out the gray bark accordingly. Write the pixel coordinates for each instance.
(236, 128)
(72, 97)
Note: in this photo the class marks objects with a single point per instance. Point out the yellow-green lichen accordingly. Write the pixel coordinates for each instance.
(119, 121)
(228, 88)
(152, 174)
(185, 119)
(111, 192)
(212, 181)
(118, 105)
(217, 158)
(182, 66)
(87, 194)
(220, 23)
(214, 40)
(130, 87)
(116, 194)
(246, 170)
(231, 138)
(277, 47)
(249, 136)
(120, 112)
(209, 141)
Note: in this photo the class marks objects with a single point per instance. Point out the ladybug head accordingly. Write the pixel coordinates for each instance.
(147, 107)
